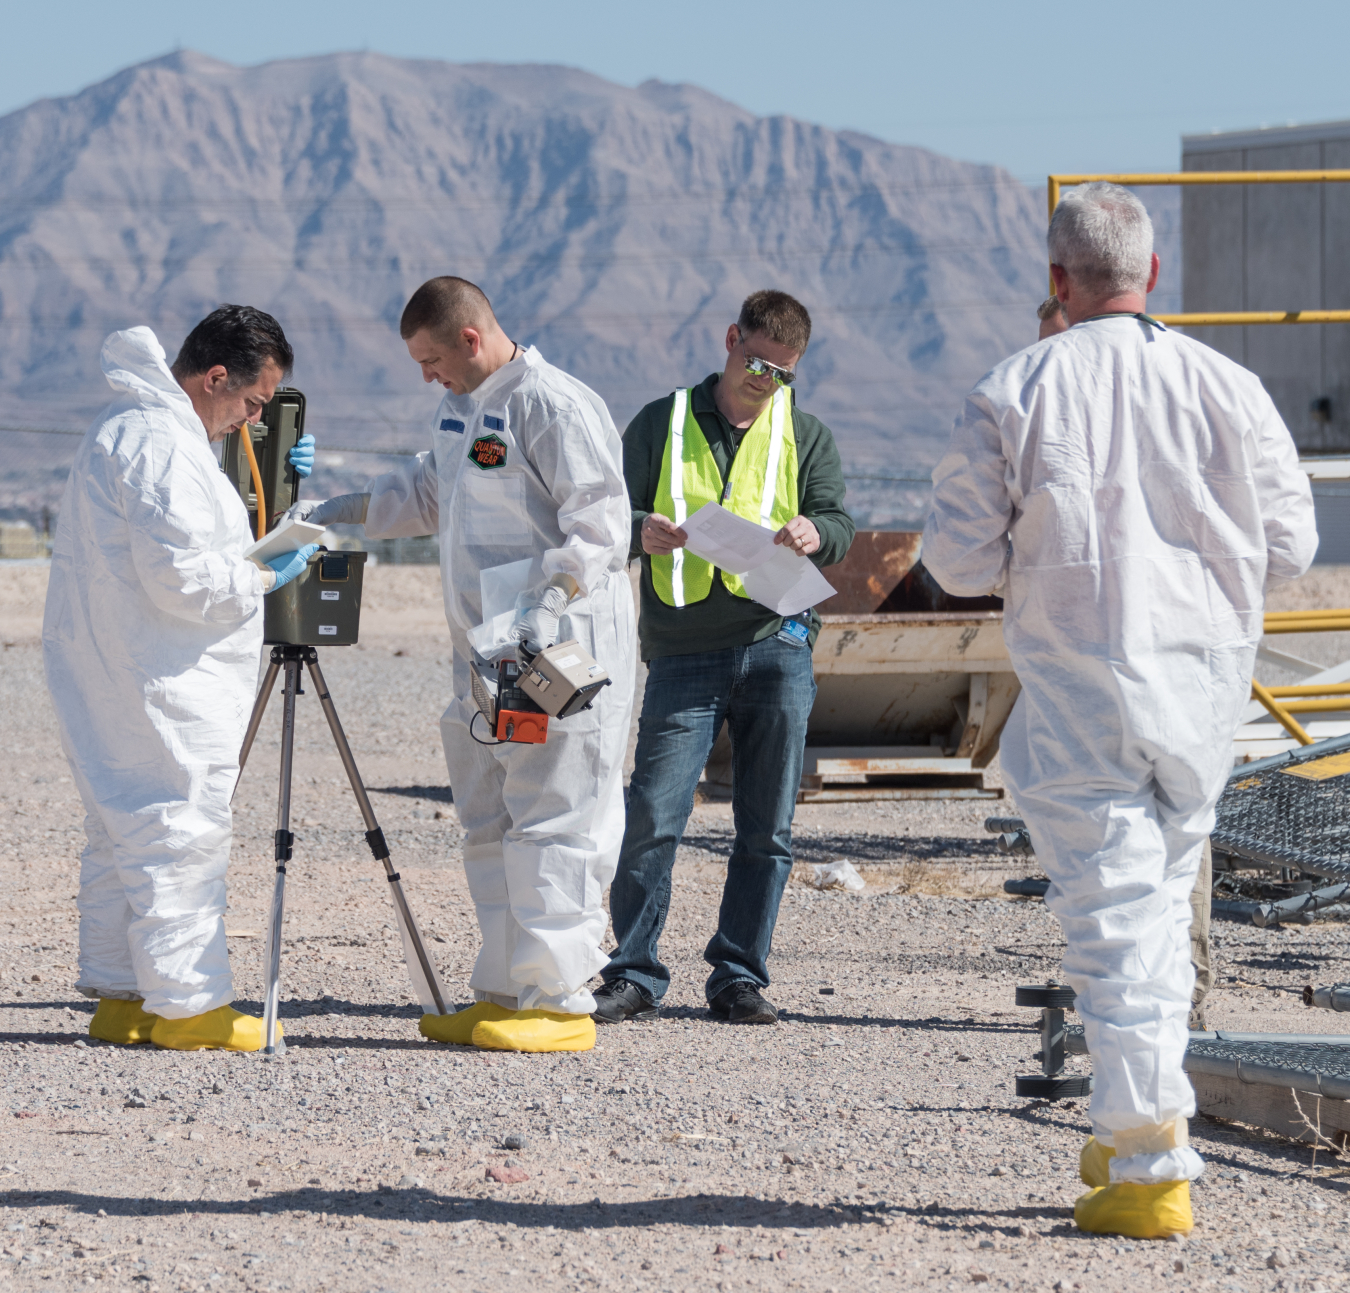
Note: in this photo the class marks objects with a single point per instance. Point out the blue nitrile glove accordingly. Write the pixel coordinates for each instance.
(290, 564)
(302, 456)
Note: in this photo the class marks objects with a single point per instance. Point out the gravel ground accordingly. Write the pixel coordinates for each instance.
(872, 1139)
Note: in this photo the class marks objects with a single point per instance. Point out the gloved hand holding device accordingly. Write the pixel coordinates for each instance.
(301, 457)
(287, 566)
(539, 610)
(343, 509)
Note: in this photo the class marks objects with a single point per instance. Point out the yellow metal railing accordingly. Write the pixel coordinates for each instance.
(1307, 621)
(1282, 703)
(1210, 318)
(1280, 713)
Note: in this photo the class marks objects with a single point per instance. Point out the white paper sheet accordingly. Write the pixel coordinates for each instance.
(499, 587)
(787, 583)
(289, 536)
(729, 541)
(774, 575)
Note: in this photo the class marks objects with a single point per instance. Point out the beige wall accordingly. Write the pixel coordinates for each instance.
(1276, 247)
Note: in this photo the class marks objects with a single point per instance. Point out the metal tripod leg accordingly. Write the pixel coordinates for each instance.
(426, 982)
(284, 842)
(259, 708)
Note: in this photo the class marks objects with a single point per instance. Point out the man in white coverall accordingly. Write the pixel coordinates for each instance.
(1133, 493)
(151, 639)
(1053, 322)
(525, 464)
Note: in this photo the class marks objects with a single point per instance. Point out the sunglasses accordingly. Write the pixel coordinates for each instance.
(758, 367)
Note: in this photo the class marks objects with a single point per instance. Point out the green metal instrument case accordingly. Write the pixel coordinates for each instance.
(274, 436)
(321, 606)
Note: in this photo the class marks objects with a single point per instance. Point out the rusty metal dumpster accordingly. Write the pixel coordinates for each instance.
(913, 686)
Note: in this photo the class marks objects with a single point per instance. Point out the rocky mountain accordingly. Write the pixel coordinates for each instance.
(617, 229)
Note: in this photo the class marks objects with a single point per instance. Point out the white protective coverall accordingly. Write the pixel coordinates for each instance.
(151, 640)
(1137, 493)
(543, 823)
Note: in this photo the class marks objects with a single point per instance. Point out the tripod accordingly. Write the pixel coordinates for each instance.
(426, 982)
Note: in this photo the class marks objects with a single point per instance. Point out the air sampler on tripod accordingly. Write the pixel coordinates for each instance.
(320, 607)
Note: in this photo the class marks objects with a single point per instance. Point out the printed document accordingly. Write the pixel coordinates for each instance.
(774, 575)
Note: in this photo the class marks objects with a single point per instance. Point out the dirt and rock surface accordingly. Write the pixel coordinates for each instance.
(871, 1140)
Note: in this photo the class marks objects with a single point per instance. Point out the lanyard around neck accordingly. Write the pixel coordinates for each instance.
(1128, 314)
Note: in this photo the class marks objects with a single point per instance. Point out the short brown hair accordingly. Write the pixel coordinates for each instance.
(445, 305)
(777, 316)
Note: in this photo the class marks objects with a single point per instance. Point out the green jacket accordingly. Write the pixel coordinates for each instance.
(724, 620)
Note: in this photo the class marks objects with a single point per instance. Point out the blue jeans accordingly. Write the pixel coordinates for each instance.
(764, 691)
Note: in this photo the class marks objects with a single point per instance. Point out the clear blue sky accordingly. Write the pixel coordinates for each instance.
(1031, 86)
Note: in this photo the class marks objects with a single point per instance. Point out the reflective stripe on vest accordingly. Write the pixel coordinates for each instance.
(678, 512)
(761, 486)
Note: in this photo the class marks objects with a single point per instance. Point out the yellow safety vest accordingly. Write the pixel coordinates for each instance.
(761, 486)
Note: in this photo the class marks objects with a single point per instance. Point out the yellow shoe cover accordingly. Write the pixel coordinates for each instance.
(1136, 1211)
(537, 1031)
(1094, 1163)
(457, 1029)
(125, 1022)
(222, 1029)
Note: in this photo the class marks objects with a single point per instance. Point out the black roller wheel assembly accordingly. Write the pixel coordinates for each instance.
(1052, 1083)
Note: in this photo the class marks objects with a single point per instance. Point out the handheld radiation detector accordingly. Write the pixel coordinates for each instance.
(510, 713)
(519, 696)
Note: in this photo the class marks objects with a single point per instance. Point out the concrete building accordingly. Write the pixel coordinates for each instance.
(1279, 247)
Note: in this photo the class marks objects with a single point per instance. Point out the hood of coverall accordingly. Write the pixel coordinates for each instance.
(135, 365)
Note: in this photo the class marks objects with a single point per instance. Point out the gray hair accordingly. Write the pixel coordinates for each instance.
(1102, 236)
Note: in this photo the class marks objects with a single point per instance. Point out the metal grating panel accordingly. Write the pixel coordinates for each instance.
(1296, 814)
(1293, 1057)
(1293, 1062)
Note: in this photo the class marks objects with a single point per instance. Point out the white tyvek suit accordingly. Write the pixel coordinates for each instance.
(1137, 491)
(151, 639)
(543, 823)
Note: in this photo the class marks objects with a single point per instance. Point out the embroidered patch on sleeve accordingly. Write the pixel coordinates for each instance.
(488, 451)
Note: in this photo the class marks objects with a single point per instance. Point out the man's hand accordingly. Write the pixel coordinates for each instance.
(539, 611)
(290, 564)
(660, 537)
(301, 457)
(342, 509)
(799, 534)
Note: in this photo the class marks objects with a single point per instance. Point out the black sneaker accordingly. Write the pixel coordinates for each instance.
(619, 1000)
(742, 1003)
